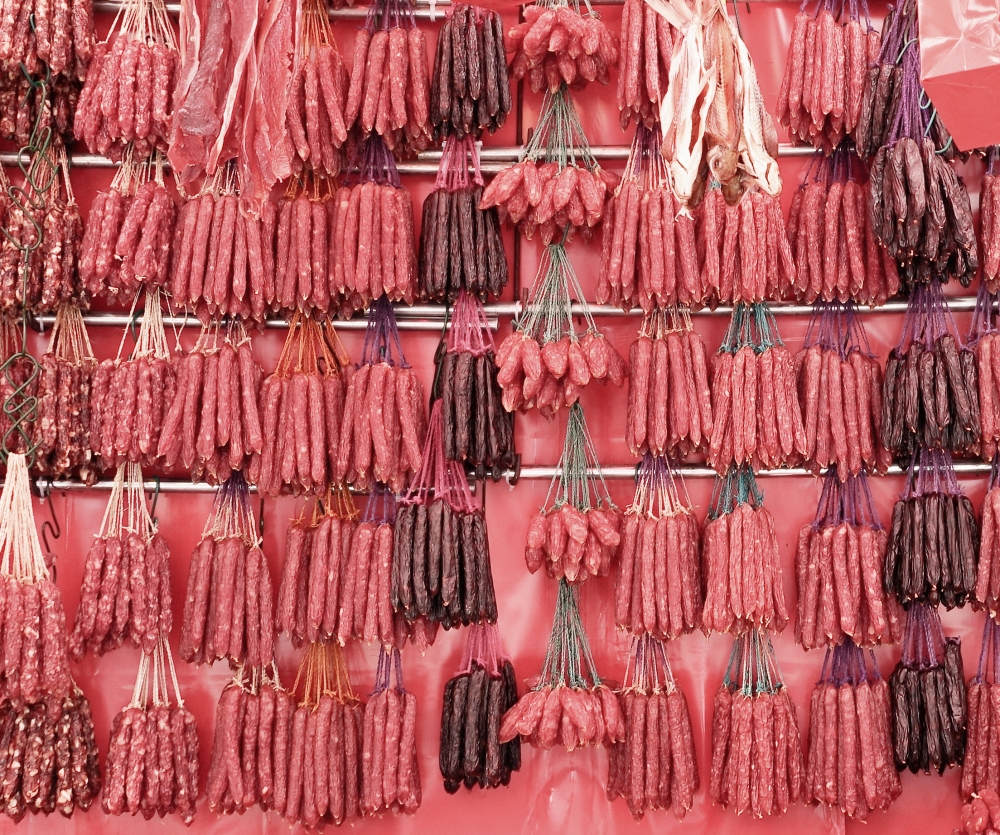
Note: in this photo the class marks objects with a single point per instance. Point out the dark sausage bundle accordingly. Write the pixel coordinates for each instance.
(569, 705)
(658, 584)
(389, 90)
(669, 400)
(757, 764)
(928, 696)
(62, 422)
(849, 764)
(461, 246)
(984, 344)
(933, 544)
(981, 814)
(440, 563)
(576, 534)
(384, 418)
(125, 591)
(646, 48)
(742, 564)
(152, 764)
(755, 406)
(987, 593)
(229, 604)
(989, 219)
(839, 560)
(470, 90)
(840, 392)
(983, 704)
(655, 766)
(475, 701)
(212, 425)
(824, 82)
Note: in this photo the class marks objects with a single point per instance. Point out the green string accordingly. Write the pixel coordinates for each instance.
(568, 658)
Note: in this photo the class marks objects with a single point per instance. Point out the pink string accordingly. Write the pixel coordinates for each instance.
(470, 329)
(484, 648)
(456, 157)
(437, 477)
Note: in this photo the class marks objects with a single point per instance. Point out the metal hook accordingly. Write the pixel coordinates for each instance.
(156, 497)
(262, 515)
(50, 525)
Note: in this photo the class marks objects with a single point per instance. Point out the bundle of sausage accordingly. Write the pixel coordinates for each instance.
(839, 564)
(576, 534)
(19, 381)
(568, 705)
(461, 246)
(440, 566)
(62, 422)
(470, 90)
(983, 342)
(545, 363)
(127, 96)
(212, 425)
(930, 395)
(646, 48)
(371, 250)
(557, 46)
(229, 604)
(557, 185)
(840, 391)
(129, 398)
(658, 585)
(837, 254)
(475, 701)
(742, 564)
(755, 406)
(981, 815)
(152, 764)
(989, 220)
(301, 410)
(389, 91)
(849, 765)
(928, 696)
(475, 428)
(983, 704)
(655, 766)
(384, 418)
(987, 591)
(125, 591)
(757, 764)
(933, 544)
(824, 82)
(669, 400)
(48, 756)
(129, 232)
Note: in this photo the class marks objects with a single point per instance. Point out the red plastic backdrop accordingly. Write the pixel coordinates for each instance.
(554, 792)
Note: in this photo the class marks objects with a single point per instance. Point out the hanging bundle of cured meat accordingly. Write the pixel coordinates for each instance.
(930, 396)
(389, 92)
(125, 592)
(981, 814)
(576, 534)
(475, 701)
(669, 401)
(983, 342)
(839, 564)
(742, 564)
(757, 764)
(658, 586)
(441, 560)
(840, 391)
(384, 418)
(655, 766)
(849, 765)
(983, 718)
(470, 90)
(129, 398)
(928, 696)
(934, 541)
(557, 185)
(755, 406)
(713, 116)
(461, 246)
(229, 603)
(152, 764)
(212, 425)
(62, 424)
(545, 363)
(129, 231)
(987, 591)
(475, 428)
(568, 705)
(128, 94)
(390, 775)
(989, 219)
(647, 45)
(822, 90)
(301, 407)
(371, 250)
(837, 255)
